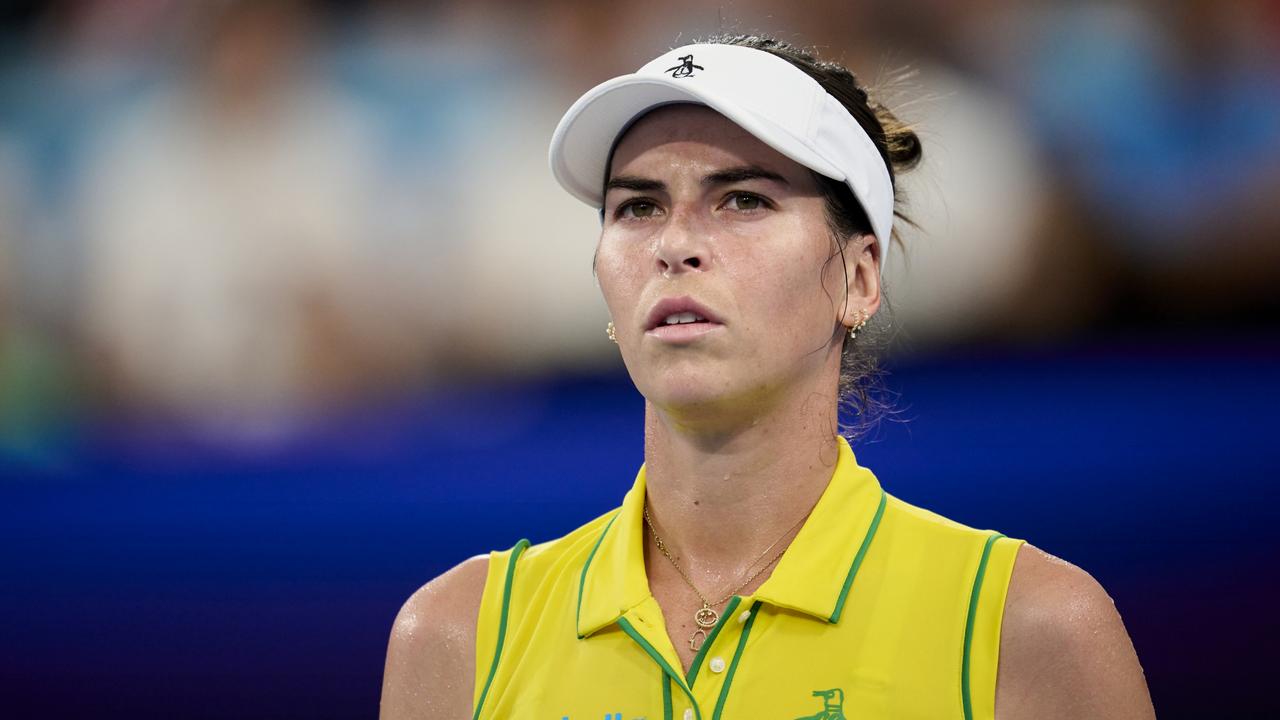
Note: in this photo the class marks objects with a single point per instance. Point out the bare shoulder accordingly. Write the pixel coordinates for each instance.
(1064, 651)
(430, 670)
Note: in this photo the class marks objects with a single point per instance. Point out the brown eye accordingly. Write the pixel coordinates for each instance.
(745, 201)
(637, 209)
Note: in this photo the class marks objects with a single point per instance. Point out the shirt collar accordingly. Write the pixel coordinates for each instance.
(814, 576)
(613, 578)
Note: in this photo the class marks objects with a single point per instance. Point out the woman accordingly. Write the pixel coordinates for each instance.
(754, 570)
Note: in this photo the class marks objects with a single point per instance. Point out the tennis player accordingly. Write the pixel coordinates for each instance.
(755, 569)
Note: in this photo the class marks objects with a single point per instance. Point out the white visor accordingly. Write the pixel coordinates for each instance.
(764, 94)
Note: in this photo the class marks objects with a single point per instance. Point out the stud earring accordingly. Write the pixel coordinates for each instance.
(608, 330)
(863, 317)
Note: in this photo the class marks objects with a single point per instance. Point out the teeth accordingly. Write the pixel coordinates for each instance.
(682, 318)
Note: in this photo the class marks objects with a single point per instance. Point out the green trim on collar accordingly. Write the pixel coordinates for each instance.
(657, 657)
(666, 697)
(857, 559)
(965, 693)
(502, 622)
(813, 575)
(706, 645)
(582, 580)
(733, 666)
(613, 579)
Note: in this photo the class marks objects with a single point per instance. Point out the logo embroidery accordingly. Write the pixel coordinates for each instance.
(685, 68)
(832, 705)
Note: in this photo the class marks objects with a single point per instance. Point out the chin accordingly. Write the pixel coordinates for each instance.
(692, 394)
(674, 388)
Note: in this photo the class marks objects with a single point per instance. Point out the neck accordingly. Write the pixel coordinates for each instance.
(720, 496)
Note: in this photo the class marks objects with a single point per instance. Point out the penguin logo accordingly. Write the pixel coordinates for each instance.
(685, 68)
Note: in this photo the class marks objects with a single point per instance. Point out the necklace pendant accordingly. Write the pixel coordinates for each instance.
(695, 641)
(706, 617)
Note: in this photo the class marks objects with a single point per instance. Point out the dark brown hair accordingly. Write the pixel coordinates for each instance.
(861, 392)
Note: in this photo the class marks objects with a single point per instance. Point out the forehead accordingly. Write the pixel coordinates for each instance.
(685, 134)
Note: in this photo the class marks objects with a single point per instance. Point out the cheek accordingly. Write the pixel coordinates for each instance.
(618, 273)
(791, 287)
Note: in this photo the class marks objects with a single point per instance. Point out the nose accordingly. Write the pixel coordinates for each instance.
(681, 247)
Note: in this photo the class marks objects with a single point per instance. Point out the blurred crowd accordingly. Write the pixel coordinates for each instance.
(233, 214)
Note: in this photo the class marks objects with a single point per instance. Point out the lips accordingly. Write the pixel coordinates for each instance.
(679, 311)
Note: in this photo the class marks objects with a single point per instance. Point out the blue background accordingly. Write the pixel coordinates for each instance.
(152, 574)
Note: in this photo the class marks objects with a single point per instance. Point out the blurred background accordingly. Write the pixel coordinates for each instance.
(293, 317)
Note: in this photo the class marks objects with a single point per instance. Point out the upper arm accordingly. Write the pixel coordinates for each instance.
(430, 670)
(1064, 652)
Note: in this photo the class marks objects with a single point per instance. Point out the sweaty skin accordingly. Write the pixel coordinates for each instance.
(699, 208)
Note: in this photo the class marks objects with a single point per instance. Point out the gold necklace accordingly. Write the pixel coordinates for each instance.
(706, 617)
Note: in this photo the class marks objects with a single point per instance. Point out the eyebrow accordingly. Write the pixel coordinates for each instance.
(633, 182)
(743, 173)
(728, 176)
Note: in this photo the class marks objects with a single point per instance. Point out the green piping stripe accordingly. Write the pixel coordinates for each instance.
(666, 697)
(733, 666)
(582, 580)
(968, 626)
(857, 559)
(666, 667)
(706, 645)
(502, 623)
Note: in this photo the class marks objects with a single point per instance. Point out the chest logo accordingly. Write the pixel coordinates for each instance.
(832, 705)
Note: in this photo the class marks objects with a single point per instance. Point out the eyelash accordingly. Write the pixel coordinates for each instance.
(764, 202)
(622, 207)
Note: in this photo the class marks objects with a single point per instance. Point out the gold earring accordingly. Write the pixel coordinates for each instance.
(608, 330)
(863, 317)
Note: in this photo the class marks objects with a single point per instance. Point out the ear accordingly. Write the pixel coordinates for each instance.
(862, 268)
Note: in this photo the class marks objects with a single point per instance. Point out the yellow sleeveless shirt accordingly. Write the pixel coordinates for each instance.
(878, 609)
